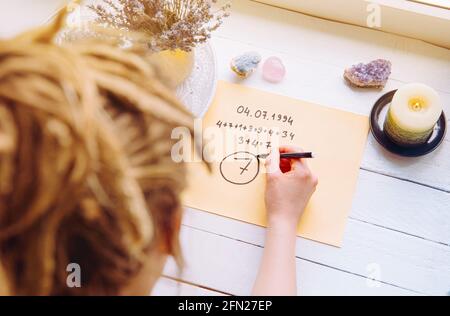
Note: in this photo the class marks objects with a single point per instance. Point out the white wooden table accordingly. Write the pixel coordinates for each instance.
(398, 232)
(397, 240)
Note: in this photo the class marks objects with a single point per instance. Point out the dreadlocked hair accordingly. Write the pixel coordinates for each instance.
(86, 174)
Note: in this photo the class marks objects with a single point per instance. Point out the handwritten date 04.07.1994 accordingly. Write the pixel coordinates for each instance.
(265, 115)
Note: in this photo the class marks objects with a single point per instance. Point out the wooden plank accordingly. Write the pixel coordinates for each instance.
(404, 261)
(402, 206)
(170, 287)
(395, 16)
(335, 43)
(323, 84)
(436, 3)
(432, 170)
(231, 266)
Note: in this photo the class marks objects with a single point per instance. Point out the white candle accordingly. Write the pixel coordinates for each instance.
(414, 111)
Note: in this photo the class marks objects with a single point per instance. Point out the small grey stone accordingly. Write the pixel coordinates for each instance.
(243, 65)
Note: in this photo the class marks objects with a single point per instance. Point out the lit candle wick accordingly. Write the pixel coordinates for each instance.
(416, 105)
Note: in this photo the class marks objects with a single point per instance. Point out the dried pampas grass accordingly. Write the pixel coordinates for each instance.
(85, 169)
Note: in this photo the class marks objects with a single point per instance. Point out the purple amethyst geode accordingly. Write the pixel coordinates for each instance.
(372, 75)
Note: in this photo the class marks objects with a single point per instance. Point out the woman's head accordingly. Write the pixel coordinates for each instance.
(86, 175)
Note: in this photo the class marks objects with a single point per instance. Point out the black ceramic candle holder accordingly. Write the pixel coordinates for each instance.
(377, 118)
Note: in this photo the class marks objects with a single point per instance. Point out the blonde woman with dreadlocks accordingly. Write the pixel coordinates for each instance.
(86, 174)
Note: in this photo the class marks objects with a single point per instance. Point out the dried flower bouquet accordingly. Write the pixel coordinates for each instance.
(170, 24)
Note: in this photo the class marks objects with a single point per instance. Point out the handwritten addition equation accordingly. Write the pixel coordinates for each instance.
(242, 167)
(261, 130)
(254, 129)
(258, 130)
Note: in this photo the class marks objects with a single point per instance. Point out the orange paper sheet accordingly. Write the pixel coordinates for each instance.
(235, 188)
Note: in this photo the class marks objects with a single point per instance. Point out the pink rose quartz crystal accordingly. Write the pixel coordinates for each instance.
(273, 70)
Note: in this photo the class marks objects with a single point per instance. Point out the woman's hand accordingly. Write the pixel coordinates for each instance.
(290, 185)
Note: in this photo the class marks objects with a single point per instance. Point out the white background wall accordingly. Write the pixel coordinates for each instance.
(14, 18)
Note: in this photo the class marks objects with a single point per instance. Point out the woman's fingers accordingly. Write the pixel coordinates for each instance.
(289, 149)
(301, 168)
(274, 165)
(299, 165)
(273, 161)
